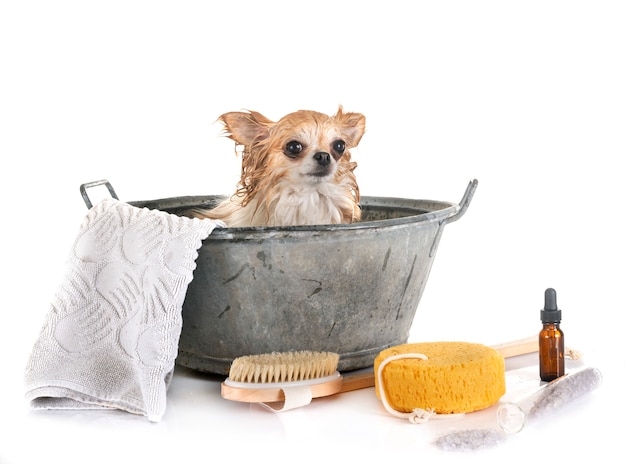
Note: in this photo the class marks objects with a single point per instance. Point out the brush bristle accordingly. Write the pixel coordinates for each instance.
(289, 366)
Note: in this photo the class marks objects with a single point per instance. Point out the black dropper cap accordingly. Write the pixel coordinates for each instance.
(550, 312)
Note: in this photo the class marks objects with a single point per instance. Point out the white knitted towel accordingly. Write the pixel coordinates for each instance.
(110, 339)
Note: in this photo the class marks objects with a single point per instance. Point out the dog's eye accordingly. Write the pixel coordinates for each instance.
(293, 148)
(339, 146)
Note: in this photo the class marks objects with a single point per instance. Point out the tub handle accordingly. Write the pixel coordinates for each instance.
(84, 187)
(463, 205)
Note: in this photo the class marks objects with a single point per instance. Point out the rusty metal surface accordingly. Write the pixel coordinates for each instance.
(352, 289)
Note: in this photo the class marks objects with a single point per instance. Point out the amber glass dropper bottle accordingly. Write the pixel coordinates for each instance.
(551, 340)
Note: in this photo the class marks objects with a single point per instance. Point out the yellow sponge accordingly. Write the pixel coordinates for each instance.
(456, 377)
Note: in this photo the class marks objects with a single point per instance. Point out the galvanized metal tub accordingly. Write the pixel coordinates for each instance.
(352, 289)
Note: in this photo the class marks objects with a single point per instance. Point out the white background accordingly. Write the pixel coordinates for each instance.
(527, 97)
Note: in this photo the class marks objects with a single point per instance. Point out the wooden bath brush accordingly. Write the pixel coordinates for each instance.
(282, 381)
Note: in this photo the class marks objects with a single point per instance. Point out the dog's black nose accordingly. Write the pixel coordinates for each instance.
(322, 158)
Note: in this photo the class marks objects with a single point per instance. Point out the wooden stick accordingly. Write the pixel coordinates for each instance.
(518, 347)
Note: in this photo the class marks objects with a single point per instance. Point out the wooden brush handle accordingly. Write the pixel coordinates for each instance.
(518, 347)
(357, 380)
(364, 379)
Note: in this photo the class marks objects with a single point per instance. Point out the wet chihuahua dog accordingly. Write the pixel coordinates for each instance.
(296, 171)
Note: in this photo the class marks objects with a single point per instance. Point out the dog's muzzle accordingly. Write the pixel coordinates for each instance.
(322, 158)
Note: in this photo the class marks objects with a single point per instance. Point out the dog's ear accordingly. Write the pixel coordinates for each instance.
(245, 127)
(352, 125)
